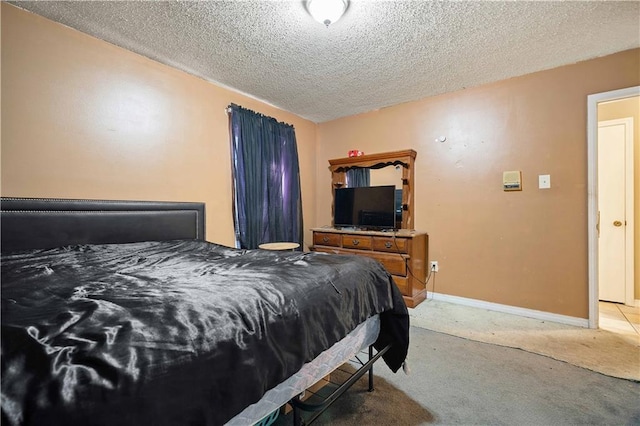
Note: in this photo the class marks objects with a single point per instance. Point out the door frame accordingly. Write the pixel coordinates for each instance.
(592, 189)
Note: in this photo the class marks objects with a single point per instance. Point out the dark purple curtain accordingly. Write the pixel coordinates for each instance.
(358, 177)
(266, 180)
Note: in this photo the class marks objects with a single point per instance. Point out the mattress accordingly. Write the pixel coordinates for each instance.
(360, 338)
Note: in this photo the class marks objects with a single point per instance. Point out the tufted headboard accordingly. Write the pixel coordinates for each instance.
(28, 223)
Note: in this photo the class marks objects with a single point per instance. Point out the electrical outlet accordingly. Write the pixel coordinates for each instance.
(433, 266)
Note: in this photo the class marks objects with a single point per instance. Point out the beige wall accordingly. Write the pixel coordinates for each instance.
(82, 118)
(528, 248)
(629, 107)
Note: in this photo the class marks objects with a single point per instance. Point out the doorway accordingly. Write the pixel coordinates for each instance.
(595, 202)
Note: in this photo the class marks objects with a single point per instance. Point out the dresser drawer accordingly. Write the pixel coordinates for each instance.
(403, 284)
(394, 264)
(391, 244)
(360, 242)
(326, 239)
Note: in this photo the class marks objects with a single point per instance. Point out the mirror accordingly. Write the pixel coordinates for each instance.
(389, 168)
(389, 175)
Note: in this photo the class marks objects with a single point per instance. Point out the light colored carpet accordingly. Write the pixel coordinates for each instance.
(613, 354)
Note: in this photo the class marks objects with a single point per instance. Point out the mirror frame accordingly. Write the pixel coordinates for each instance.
(405, 159)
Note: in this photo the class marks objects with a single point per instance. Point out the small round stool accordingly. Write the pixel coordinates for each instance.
(279, 246)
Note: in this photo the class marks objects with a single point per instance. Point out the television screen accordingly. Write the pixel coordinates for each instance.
(370, 207)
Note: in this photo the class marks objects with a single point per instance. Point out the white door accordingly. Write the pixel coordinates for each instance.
(615, 146)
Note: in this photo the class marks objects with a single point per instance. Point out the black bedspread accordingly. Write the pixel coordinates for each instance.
(175, 333)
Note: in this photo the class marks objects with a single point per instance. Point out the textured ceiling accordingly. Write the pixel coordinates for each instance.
(379, 54)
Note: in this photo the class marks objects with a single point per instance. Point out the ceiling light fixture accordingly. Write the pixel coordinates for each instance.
(327, 11)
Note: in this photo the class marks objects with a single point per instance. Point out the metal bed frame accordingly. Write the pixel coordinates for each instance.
(318, 408)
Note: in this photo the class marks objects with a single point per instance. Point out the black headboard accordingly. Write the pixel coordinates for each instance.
(45, 223)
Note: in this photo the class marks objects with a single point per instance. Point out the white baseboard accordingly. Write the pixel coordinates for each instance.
(514, 310)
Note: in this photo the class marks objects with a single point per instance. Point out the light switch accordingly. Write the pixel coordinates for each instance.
(544, 181)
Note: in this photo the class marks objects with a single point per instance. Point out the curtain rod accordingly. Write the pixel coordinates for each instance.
(228, 110)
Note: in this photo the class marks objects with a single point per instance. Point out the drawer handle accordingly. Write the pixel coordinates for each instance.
(388, 244)
(356, 242)
(325, 239)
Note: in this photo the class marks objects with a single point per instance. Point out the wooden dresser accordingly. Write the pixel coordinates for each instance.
(403, 253)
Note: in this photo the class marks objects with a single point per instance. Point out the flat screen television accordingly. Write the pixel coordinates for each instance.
(370, 207)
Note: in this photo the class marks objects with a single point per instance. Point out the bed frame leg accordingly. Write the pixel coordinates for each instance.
(318, 409)
(371, 370)
(297, 413)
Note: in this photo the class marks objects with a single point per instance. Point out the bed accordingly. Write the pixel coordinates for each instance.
(119, 312)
